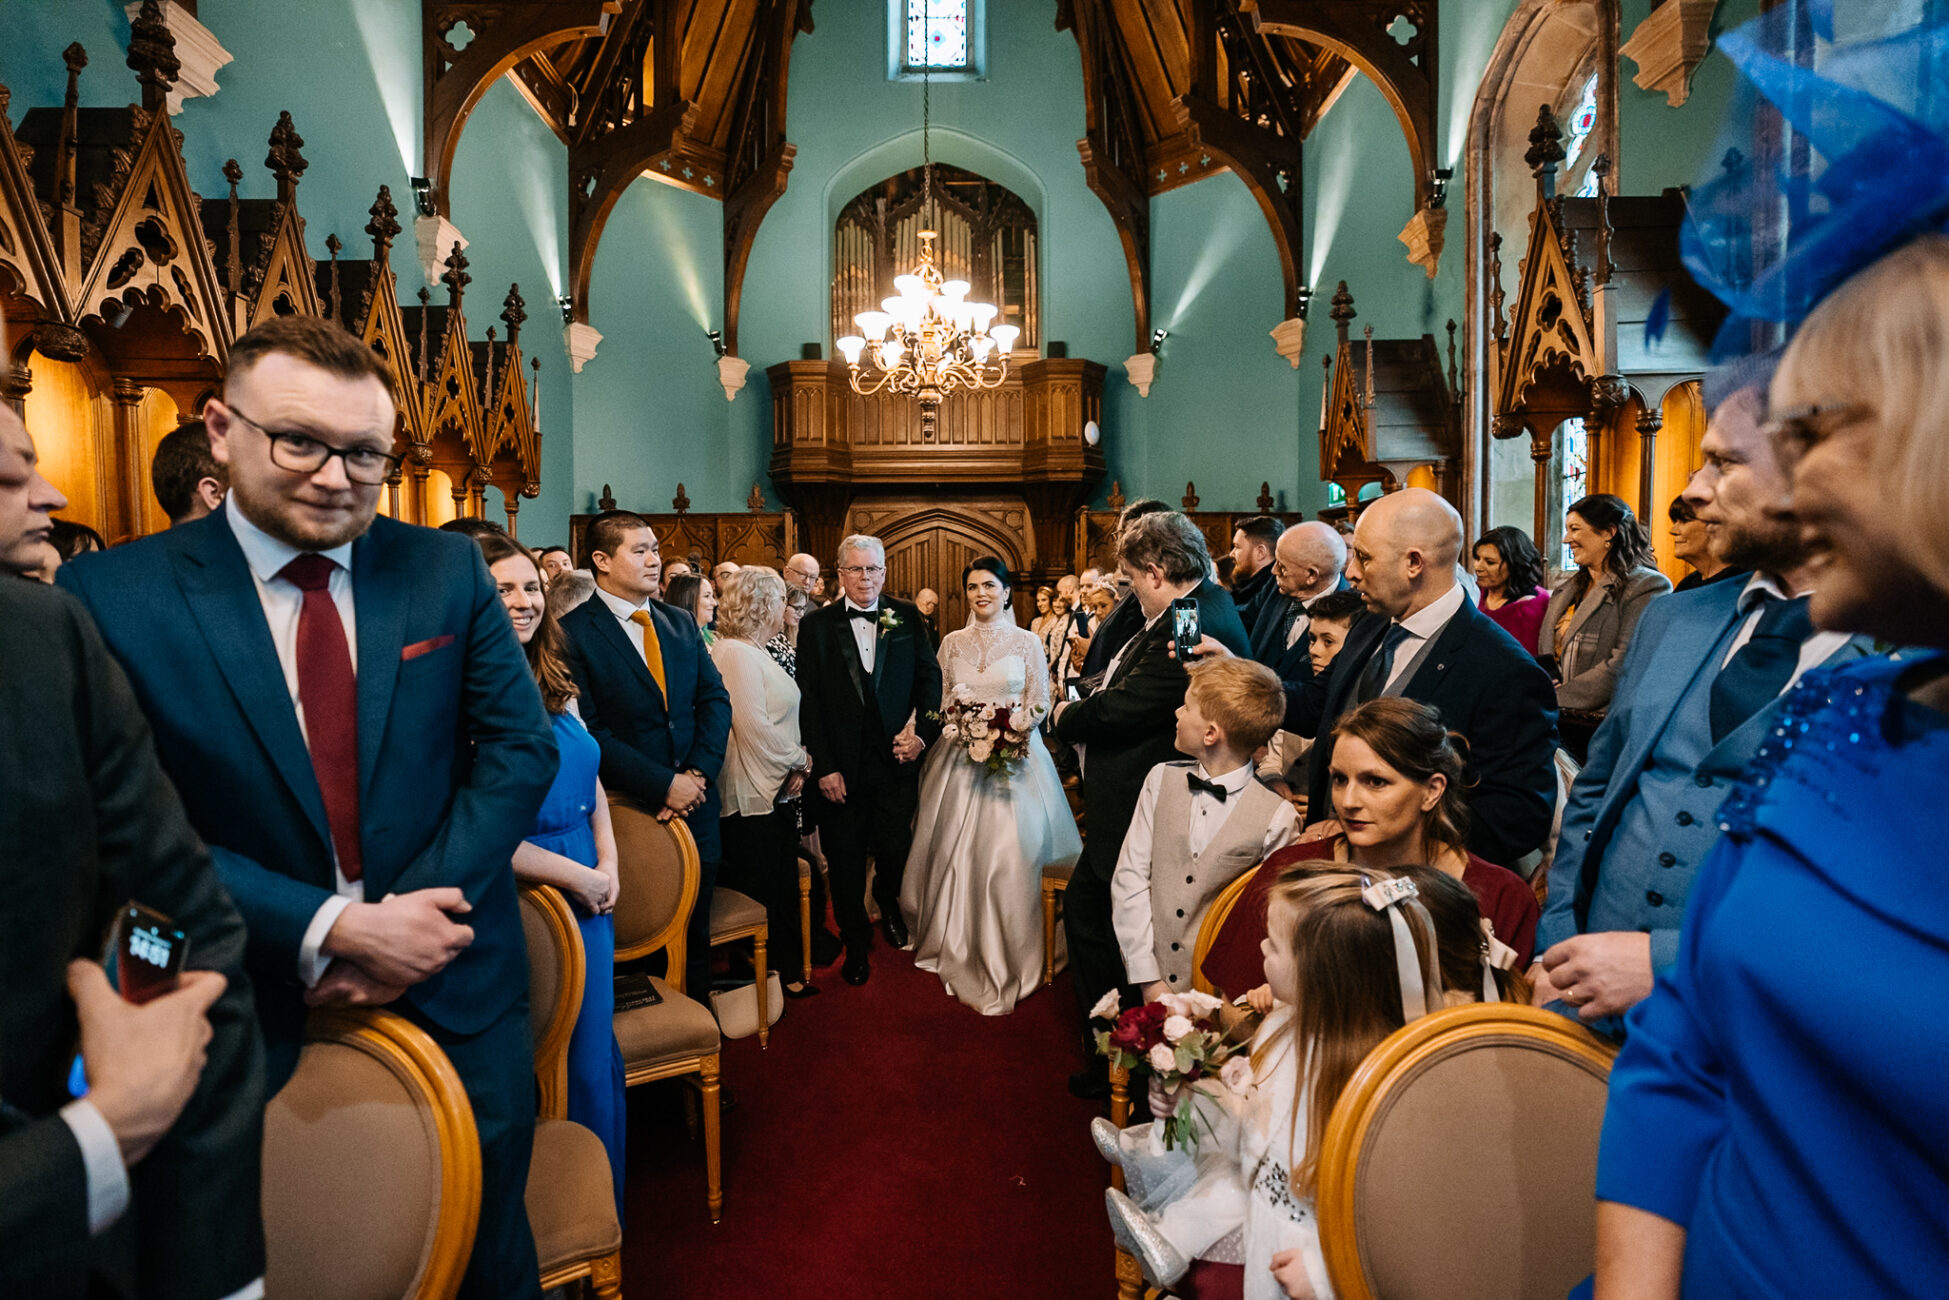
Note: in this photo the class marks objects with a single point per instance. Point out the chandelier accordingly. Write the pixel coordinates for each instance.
(928, 340)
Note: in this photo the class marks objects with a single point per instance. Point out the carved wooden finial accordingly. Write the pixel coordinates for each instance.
(605, 501)
(1545, 151)
(233, 258)
(76, 58)
(284, 160)
(152, 56)
(756, 501)
(1115, 500)
(1190, 497)
(1601, 169)
(514, 311)
(1496, 294)
(334, 245)
(384, 226)
(69, 148)
(1452, 390)
(1343, 313)
(1265, 498)
(455, 277)
(680, 503)
(426, 315)
(487, 377)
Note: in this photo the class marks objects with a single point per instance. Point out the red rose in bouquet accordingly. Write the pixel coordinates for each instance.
(1140, 1028)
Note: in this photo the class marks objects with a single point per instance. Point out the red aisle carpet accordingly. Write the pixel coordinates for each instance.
(891, 1145)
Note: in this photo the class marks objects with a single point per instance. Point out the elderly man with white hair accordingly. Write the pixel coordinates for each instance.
(1431, 644)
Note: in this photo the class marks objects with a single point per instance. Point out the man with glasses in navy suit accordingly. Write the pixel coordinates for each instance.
(343, 706)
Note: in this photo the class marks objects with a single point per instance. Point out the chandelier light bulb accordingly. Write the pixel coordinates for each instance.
(1005, 336)
(954, 289)
(873, 324)
(984, 313)
(850, 346)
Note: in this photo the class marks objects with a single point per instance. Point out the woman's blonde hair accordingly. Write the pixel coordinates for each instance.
(1348, 995)
(1882, 341)
(753, 600)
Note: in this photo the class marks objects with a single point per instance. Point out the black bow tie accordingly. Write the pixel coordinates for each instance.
(1212, 788)
(869, 614)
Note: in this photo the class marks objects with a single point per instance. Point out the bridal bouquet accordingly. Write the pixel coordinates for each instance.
(1178, 1042)
(993, 735)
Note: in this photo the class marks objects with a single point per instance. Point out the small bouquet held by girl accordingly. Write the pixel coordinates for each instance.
(1179, 1043)
(993, 734)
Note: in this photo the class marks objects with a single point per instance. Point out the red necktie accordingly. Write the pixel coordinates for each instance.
(330, 695)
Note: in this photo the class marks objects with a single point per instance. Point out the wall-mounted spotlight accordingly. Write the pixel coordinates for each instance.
(423, 196)
(1157, 338)
(567, 304)
(717, 341)
(1438, 186)
(1305, 297)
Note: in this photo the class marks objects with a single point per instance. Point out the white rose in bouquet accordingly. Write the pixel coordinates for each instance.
(981, 750)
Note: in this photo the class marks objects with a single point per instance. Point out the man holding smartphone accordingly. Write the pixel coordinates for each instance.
(171, 1126)
(1128, 726)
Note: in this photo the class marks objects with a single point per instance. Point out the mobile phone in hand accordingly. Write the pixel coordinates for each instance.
(146, 954)
(1186, 629)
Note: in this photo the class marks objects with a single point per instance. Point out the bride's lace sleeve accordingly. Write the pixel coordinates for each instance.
(946, 658)
(1038, 664)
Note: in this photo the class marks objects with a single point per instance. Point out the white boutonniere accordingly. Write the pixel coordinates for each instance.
(888, 620)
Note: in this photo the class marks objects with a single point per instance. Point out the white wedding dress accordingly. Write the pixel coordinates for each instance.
(972, 894)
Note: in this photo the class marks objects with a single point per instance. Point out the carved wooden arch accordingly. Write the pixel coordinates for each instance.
(504, 33)
(971, 527)
(1551, 325)
(1356, 30)
(1274, 182)
(1111, 149)
(759, 160)
(27, 252)
(598, 175)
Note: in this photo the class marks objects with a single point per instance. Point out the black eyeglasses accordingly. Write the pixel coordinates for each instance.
(303, 454)
(1796, 432)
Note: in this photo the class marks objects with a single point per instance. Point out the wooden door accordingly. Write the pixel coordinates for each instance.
(929, 544)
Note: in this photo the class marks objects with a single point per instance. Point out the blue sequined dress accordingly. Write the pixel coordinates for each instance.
(595, 1062)
(1781, 1094)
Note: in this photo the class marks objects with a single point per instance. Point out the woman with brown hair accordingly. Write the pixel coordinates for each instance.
(1593, 612)
(572, 847)
(1398, 796)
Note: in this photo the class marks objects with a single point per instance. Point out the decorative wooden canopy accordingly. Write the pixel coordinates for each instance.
(1388, 409)
(1605, 313)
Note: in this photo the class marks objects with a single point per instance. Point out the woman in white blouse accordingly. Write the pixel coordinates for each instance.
(764, 763)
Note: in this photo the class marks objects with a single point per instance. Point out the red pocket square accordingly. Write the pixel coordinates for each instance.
(426, 647)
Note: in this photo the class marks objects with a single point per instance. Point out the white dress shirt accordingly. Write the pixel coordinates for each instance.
(283, 602)
(1130, 916)
(625, 612)
(1422, 626)
(1752, 603)
(866, 632)
(1304, 619)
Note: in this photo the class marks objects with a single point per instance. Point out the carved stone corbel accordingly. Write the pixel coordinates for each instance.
(1669, 46)
(1424, 235)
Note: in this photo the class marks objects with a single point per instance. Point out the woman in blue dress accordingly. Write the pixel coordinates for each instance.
(1777, 1122)
(573, 849)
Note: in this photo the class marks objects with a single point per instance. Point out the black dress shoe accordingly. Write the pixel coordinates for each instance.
(895, 929)
(826, 948)
(1091, 1084)
(857, 966)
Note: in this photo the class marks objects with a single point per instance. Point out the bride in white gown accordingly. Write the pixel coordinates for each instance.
(972, 893)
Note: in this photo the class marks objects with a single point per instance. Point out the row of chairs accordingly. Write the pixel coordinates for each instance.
(373, 1138)
(1459, 1164)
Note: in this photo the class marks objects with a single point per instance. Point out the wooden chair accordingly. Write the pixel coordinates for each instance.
(675, 1037)
(1055, 885)
(736, 916)
(571, 1189)
(1461, 1160)
(371, 1143)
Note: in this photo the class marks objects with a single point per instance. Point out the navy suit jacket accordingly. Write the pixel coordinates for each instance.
(1494, 693)
(646, 740)
(455, 750)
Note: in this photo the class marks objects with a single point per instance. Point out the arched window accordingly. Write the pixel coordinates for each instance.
(1572, 451)
(987, 237)
(1578, 125)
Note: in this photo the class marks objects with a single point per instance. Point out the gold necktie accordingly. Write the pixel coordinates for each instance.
(652, 649)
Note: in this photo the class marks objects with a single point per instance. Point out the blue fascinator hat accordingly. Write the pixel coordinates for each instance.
(1862, 168)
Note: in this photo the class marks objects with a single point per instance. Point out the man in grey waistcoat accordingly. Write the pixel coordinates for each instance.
(1699, 688)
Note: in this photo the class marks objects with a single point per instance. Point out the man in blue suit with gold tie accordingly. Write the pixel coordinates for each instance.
(342, 704)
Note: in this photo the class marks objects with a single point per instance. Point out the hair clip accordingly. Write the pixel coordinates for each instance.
(1386, 893)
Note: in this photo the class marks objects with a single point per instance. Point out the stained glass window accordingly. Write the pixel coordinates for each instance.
(937, 33)
(1583, 120)
(1573, 443)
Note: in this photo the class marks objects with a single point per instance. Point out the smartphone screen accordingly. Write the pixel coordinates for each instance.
(1185, 628)
(147, 952)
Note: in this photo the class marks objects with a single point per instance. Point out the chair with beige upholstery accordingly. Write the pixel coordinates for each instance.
(736, 916)
(571, 1188)
(1055, 886)
(1461, 1161)
(371, 1141)
(675, 1037)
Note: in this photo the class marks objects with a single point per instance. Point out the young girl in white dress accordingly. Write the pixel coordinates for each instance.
(1245, 1196)
(972, 893)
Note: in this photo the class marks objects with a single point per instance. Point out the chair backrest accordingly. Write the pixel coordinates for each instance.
(372, 1173)
(557, 971)
(1221, 907)
(660, 875)
(1461, 1161)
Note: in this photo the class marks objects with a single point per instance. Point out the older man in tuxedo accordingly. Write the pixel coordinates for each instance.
(1126, 727)
(172, 1122)
(1431, 644)
(653, 700)
(869, 680)
(342, 704)
(1698, 691)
